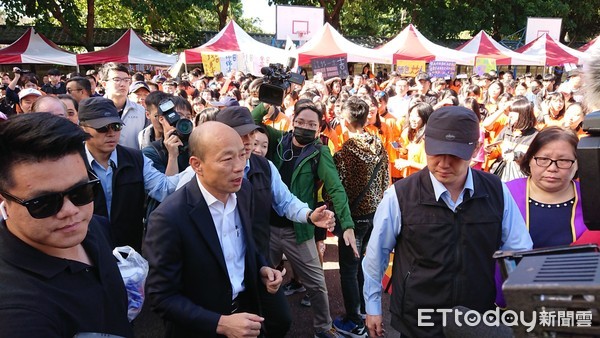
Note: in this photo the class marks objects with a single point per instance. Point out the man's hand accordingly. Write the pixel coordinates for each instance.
(172, 143)
(323, 218)
(246, 325)
(271, 278)
(375, 326)
(349, 239)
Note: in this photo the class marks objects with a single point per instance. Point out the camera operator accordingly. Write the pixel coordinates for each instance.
(169, 154)
(18, 82)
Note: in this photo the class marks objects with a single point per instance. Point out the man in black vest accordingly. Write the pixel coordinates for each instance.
(444, 223)
(125, 173)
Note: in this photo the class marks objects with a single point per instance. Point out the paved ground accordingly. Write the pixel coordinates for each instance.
(149, 325)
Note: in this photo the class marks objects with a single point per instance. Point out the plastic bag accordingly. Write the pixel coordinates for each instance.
(134, 270)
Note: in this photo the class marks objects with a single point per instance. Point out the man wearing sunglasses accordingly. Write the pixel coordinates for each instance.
(57, 273)
(125, 173)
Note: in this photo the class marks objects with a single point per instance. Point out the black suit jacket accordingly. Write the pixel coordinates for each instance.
(188, 284)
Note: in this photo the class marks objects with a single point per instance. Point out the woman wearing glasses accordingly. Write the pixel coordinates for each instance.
(549, 197)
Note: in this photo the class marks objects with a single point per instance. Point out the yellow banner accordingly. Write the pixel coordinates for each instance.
(484, 65)
(409, 68)
(212, 64)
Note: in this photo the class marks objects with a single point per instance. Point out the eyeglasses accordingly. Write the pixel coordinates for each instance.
(121, 79)
(308, 124)
(73, 90)
(50, 204)
(546, 162)
(112, 126)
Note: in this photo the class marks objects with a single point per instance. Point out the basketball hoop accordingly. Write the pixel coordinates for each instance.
(301, 34)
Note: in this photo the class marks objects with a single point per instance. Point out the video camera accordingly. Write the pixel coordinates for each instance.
(183, 127)
(277, 82)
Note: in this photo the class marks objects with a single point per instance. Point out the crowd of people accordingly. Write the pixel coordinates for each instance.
(216, 189)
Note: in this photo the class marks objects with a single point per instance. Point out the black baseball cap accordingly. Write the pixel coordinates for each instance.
(238, 118)
(137, 86)
(226, 101)
(452, 130)
(98, 112)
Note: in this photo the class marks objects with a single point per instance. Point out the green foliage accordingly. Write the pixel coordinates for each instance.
(446, 19)
(184, 21)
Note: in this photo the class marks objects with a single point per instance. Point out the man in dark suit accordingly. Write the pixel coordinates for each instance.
(205, 272)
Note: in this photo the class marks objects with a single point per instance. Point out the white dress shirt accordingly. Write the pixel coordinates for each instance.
(231, 236)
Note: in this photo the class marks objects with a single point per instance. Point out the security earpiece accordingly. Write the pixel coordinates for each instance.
(3, 211)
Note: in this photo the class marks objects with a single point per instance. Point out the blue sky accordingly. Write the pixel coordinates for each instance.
(260, 9)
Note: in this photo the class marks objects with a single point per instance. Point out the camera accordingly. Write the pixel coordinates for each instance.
(277, 81)
(183, 127)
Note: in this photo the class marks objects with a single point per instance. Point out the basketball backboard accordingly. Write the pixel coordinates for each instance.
(298, 22)
(536, 27)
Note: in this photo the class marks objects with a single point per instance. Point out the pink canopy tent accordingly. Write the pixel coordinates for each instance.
(233, 39)
(410, 44)
(130, 48)
(327, 42)
(553, 52)
(484, 46)
(33, 47)
(590, 45)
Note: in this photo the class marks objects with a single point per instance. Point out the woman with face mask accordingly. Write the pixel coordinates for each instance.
(304, 162)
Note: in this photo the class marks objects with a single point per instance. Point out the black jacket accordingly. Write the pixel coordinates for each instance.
(188, 284)
(128, 196)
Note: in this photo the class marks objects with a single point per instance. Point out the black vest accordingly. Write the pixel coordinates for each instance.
(443, 258)
(127, 206)
(260, 177)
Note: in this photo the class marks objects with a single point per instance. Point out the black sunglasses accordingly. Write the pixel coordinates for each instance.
(50, 204)
(112, 126)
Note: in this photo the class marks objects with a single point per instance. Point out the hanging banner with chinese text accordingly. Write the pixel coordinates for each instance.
(409, 68)
(441, 69)
(211, 63)
(484, 65)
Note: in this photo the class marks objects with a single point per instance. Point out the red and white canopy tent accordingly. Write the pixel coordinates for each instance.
(590, 45)
(33, 47)
(410, 44)
(484, 46)
(553, 52)
(130, 48)
(233, 42)
(328, 42)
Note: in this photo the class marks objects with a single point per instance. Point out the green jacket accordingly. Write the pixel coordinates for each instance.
(303, 180)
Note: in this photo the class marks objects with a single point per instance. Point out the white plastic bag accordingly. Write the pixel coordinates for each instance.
(134, 270)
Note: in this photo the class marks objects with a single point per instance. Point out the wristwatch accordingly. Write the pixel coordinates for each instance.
(308, 220)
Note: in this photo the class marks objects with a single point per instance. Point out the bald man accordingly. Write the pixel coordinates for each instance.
(49, 104)
(204, 268)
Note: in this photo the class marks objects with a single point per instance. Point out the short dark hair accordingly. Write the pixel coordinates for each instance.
(545, 136)
(69, 97)
(303, 104)
(181, 103)
(82, 82)
(29, 138)
(156, 97)
(137, 77)
(356, 110)
(114, 66)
